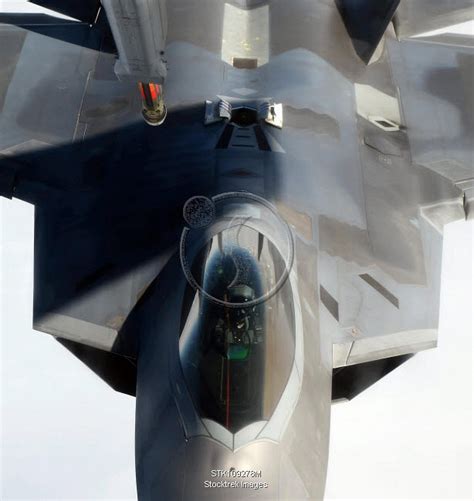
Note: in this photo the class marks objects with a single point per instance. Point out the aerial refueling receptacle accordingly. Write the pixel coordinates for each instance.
(154, 109)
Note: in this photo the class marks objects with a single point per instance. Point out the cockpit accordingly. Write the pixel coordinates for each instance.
(237, 358)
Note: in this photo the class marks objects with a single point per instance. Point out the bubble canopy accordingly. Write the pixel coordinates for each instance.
(238, 341)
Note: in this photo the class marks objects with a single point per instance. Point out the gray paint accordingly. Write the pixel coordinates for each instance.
(359, 200)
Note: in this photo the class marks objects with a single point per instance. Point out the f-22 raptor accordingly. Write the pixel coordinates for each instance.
(239, 211)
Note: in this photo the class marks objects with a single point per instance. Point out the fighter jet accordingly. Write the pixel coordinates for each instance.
(239, 211)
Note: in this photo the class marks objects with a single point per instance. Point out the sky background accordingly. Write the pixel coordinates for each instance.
(66, 435)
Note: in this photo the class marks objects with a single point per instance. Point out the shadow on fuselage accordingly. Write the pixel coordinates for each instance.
(108, 204)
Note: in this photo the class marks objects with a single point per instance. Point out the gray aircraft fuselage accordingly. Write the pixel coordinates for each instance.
(280, 246)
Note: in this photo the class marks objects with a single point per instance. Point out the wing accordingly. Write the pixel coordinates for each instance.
(421, 16)
(436, 78)
(84, 10)
(380, 287)
(89, 29)
(108, 218)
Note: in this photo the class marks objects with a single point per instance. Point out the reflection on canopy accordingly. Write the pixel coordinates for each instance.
(236, 361)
